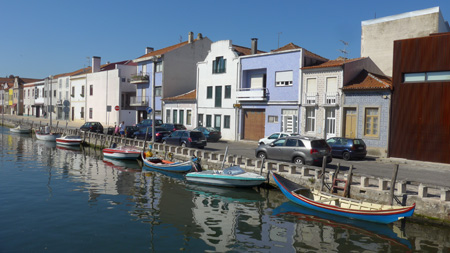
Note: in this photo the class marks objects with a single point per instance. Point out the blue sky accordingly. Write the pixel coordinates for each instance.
(42, 38)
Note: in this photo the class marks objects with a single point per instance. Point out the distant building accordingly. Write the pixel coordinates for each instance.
(378, 35)
(181, 109)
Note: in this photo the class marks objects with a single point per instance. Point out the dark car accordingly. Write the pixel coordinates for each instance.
(148, 122)
(296, 149)
(130, 130)
(186, 138)
(95, 127)
(210, 133)
(173, 127)
(160, 133)
(347, 148)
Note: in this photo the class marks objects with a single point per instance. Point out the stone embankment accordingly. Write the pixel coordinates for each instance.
(431, 202)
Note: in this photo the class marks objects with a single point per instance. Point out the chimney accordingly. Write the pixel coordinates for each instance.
(96, 64)
(199, 36)
(190, 37)
(148, 50)
(254, 45)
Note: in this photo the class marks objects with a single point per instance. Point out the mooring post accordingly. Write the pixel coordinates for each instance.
(392, 186)
(322, 181)
(262, 166)
(349, 181)
(145, 140)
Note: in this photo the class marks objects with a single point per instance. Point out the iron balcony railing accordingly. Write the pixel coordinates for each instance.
(252, 94)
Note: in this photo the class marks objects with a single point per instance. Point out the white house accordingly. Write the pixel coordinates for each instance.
(181, 109)
(217, 78)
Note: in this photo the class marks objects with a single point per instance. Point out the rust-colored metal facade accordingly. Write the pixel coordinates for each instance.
(420, 111)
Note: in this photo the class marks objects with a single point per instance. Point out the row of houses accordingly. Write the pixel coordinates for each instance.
(245, 92)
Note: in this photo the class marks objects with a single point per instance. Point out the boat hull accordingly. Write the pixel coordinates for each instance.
(20, 130)
(47, 137)
(384, 216)
(217, 179)
(68, 142)
(121, 154)
(178, 167)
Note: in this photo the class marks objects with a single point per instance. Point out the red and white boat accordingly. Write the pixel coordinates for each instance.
(123, 152)
(69, 140)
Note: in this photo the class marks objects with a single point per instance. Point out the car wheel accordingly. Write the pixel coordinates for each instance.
(346, 156)
(299, 160)
(183, 144)
(261, 143)
(262, 155)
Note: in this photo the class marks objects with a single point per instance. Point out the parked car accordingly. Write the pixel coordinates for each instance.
(95, 127)
(296, 149)
(148, 122)
(269, 139)
(160, 133)
(347, 148)
(186, 138)
(210, 133)
(173, 127)
(130, 130)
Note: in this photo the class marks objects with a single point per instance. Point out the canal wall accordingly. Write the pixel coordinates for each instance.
(432, 202)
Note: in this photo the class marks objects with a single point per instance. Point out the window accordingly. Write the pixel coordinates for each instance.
(188, 117)
(167, 115)
(284, 78)
(227, 91)
(218, 98)
(310, 119)
(60, 95)
(332, 90)
(371, 122)
(82, 91)
(330, 121)
(159, 66)
(200, 120)
(219, 65)
(226, 121)
(73, 91)
(209, 92)
(67, 95)
(60, 83)
(258, 81)
(91, 90)
(67, 82)
(158, 91)
(311, 89)
(272, 119)
(54, 93)
(181, 117)
(175, 114)
(426, 77)
(90, 113)
(208, 120)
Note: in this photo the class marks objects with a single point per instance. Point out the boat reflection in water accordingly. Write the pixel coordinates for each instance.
(69, 148)
(122, 165)
(354, 233)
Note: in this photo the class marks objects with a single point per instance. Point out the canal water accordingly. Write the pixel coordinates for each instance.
(57, 199)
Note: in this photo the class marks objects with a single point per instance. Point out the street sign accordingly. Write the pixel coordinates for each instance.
(66, 109)
(117, 108)
(149, 109)
(66, 103)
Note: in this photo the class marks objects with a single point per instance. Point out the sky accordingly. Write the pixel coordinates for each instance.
(50, 37)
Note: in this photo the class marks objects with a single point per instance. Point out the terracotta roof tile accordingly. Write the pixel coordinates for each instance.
(291, 46)
(334, 63)
(369, 81)
(165, 50)
(245, 50)
(191, 95)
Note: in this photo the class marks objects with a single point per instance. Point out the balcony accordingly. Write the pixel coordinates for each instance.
(141, 77)
(311, 98)
(139, 101)
(331, 99)
(252, 94)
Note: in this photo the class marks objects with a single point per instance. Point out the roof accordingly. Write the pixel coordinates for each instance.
(291, 46)
(109, 66)
(191, 95)
(164, 50)
(334, 63)
(245, 50)
(369, 81)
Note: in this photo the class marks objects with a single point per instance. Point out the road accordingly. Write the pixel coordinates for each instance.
(437, 174)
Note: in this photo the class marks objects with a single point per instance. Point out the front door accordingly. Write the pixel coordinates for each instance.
(350, 123)
(330, 122)
(254, 124)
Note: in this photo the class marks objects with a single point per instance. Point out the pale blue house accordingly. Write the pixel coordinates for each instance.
(269, 93)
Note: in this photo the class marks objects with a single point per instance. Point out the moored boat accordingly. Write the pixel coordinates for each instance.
(233, 176)
(69, 140)
(337, 205)
(122, 152)
(47, 136)
(164, 165)
(21, 129)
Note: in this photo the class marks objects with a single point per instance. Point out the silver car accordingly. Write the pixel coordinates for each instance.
(296, 149)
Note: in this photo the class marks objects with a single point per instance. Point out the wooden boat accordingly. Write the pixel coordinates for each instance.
(69, 140)
(164, 165)
(21, 129)
(337, 205)
(123, 152)
(233, 176)
(47, 136)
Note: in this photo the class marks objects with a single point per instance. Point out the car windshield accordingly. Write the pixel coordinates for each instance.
(319, 144)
